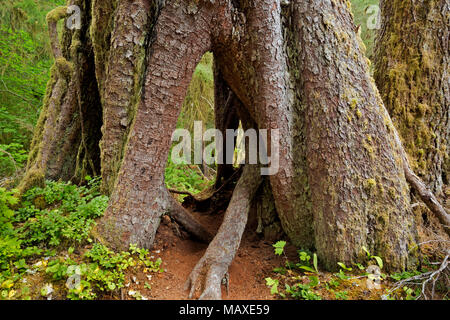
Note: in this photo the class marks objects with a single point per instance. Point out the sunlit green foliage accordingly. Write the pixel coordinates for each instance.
(48, 231)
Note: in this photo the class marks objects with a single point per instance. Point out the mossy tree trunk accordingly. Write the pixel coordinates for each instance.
(65, 144)
(295, 67)
(412, 63)
(359, 195)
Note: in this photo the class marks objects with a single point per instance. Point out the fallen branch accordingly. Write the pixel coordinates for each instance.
(417, 184)
(434, 277)
(423, 280)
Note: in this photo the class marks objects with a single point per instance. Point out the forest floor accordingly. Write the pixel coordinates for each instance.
(254, 262)
(49, 251)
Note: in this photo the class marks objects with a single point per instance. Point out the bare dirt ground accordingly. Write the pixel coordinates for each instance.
(254, 261)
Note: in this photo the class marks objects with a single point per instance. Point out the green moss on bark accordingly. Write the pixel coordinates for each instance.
(57, 14)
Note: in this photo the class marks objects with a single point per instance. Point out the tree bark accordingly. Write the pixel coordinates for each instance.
(412, 72)
(123, 81)
(140, 197)
(358, 187)
(65, 143)
(296, 67)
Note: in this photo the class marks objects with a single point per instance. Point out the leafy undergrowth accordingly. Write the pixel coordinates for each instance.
(47, 252)
(303, 280)
(183, 177)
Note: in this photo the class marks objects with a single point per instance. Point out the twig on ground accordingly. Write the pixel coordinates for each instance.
(424, 279)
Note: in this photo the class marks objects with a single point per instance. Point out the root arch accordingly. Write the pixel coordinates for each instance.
(277, 70)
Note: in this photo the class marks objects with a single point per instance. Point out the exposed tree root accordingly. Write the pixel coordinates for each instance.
(424, 192)
(212, 267)
(182, 192)
(180, 215)
(428, 198)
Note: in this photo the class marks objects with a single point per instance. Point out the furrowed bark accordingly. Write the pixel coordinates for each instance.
(123, 81)
(412, 63)
(140, 196)
(59, 149)
(259, 73)
(359, 191)
(274, 101)
(103, 13)
(424, 192)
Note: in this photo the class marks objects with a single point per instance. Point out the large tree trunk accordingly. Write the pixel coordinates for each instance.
(356, 172)
(298, 68)
(361, 201)
(412, 63)
(122, 82)
(140, 197)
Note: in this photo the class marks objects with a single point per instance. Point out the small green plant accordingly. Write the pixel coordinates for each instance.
(102, 271)
(360, 266)
(342, 295)
(404, 275)
(273, 284)
(341, 274)
(376, 258)
(304, 291)
(279, 247)
(298, 290)
(332, 284)
(305, 257)
(411, 294)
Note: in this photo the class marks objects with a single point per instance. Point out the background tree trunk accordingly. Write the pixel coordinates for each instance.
(412, 72)
(65, 144)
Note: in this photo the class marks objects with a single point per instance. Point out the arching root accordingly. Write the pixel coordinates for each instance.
(212, 267)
